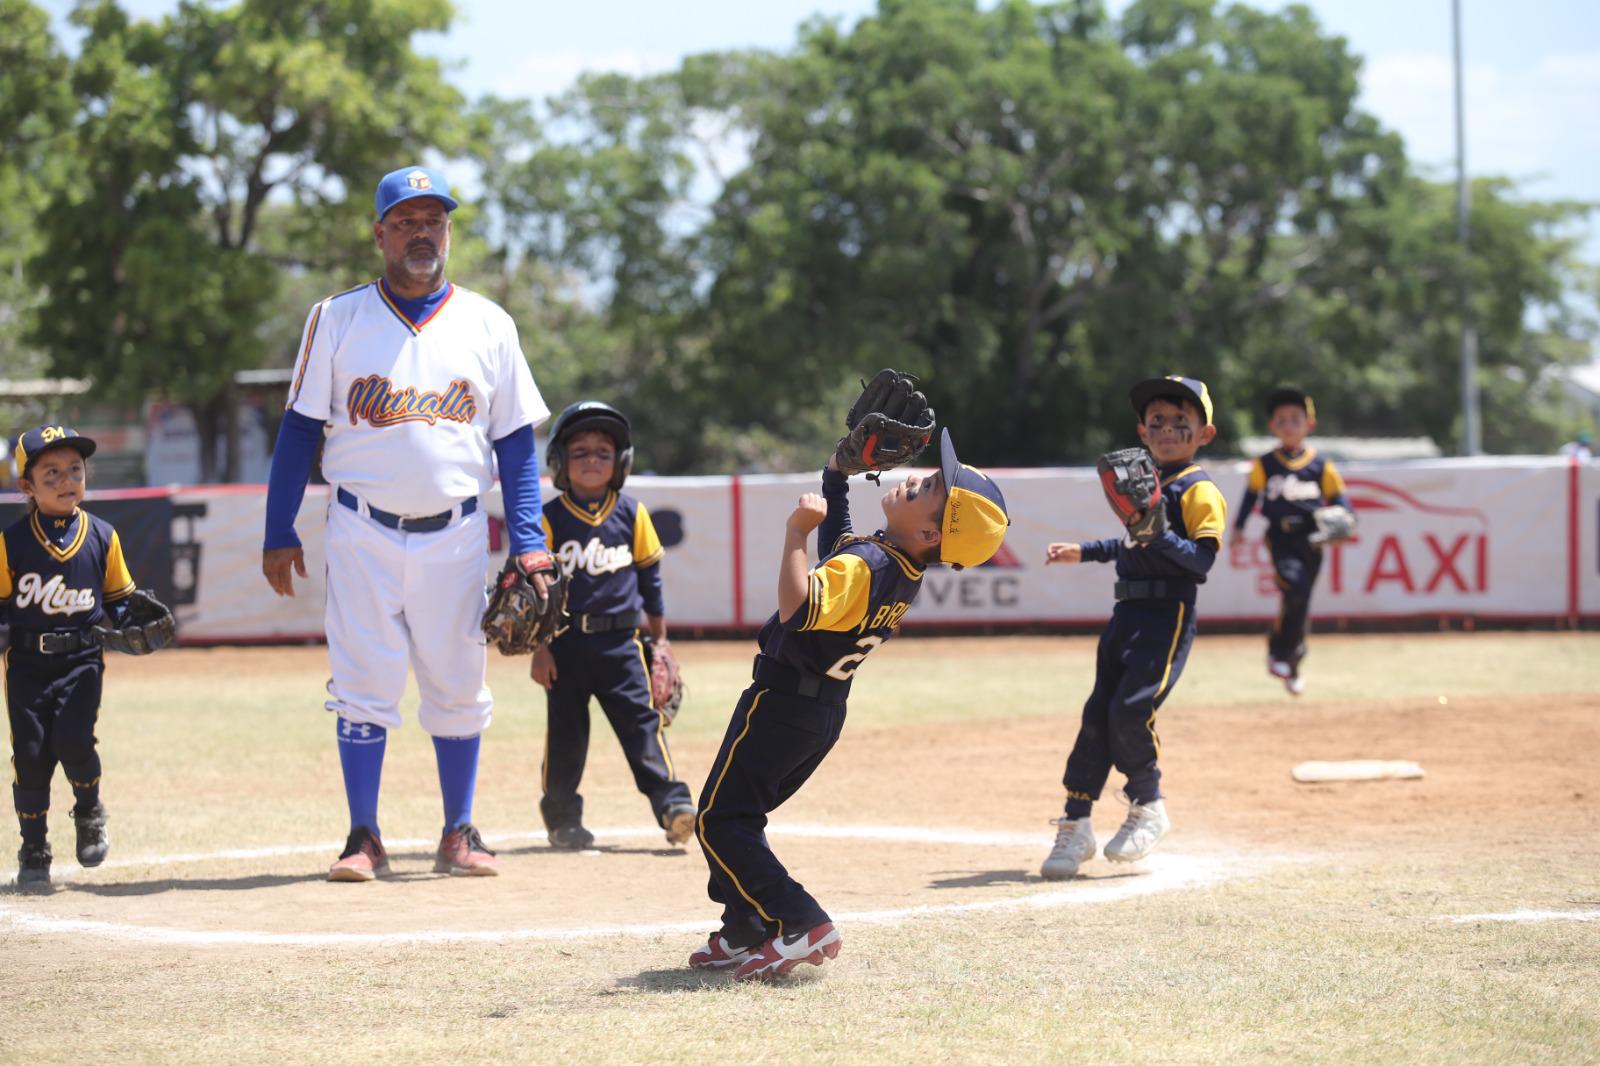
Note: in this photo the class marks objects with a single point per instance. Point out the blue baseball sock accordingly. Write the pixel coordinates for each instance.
(361, 755)
(458, 777)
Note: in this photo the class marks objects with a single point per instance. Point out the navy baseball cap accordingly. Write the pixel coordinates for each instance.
(408, 183)
(1171, 387)
(36, 442)
(975, 518)
(1289, 396)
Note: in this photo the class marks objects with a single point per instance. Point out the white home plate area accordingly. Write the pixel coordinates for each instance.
(862, 874)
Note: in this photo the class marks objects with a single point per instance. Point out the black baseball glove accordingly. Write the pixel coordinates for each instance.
(890, 423)
(522, 618)
(666, 682)
(1333, 525)
(1133, 488)
(145, 626)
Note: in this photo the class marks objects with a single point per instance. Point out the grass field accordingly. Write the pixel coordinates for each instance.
(1358, 922)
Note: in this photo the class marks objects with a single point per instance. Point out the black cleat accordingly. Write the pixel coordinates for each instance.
(92, 842)
(33, 868)
(571, 838)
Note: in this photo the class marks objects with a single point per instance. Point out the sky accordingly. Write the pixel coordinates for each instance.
(1532, 68)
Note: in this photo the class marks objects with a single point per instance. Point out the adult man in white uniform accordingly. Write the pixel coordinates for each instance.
(418, 389)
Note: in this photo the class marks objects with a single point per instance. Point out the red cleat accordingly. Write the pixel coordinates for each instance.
(462, 853)
(717, 954)
(363, 858)
(783, 953)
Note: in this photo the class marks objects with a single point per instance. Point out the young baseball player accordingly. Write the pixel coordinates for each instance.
(1291, 482)
(62, 575)
(1144, 646)
(604, 541)
(829, 618)
(419, 391)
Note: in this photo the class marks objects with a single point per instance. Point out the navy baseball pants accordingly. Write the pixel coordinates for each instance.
(608, 667)
(53, 701)
(774, 743)
(1141, 655)
(1297, 563)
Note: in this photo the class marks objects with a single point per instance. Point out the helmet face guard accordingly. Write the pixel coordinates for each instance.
(590, 414)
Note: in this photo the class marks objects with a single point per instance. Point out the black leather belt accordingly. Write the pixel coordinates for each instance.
(1154, 590)
(426, 524)
(603, 623)
(53, 641)
(775, 675)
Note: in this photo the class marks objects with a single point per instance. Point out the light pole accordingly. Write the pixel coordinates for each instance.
(1471, 442)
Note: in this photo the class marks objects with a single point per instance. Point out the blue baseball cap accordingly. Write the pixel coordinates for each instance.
(410, 182)
(975, 517)
(36, 442)
(1173, 386)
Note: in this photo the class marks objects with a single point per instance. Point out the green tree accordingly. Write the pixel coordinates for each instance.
(189, 130)
(35, 114)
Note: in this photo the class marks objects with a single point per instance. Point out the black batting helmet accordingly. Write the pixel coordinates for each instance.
(590, 414)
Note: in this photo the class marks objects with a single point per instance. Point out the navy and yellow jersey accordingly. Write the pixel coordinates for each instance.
(1197, 517)
(609, 549)
(61, 572)
(855, 599)
(1290, 488)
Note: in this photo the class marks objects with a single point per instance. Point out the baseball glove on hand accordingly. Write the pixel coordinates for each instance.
(521, 617)
(666, 684)
(1133, 488)
(146, 626)
(890, 423)
(1333, 525)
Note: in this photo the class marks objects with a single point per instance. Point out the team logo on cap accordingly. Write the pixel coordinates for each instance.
(418, 180)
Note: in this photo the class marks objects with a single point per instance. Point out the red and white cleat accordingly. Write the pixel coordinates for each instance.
(717, 954)
(779, 955)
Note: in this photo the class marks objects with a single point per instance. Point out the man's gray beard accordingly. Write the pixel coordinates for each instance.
(424, 267)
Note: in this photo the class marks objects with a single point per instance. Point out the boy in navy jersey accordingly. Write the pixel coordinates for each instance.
(1144, 647)
(829, 619)
(1291, 482)
(61, 573)
(606, 544)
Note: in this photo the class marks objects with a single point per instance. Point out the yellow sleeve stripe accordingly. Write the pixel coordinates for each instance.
(1258, 476)
(118, 581)
(647, 549)
(305, 354)
(1205, 512)
(838, 593)
(1332, 483)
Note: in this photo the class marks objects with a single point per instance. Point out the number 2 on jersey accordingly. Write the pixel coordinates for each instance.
(841, 670)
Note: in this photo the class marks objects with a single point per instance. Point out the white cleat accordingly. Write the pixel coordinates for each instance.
(1295, 686)
(1146, 824)
(1074, 846)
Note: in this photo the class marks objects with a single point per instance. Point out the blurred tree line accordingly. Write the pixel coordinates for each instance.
(1029, 206)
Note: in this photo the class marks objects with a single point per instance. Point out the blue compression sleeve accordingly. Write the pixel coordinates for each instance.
(650, 589)
(286, 483)
(1100, 551)
(1195, 556)
(1341, 500)
(519, 485)
(836, 490)
(1246, 505)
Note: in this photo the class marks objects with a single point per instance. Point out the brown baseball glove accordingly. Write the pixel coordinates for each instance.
(890, 423)
(521, 617)
(666, 684)
(1133, 489)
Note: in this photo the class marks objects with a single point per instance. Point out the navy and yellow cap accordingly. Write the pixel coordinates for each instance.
(36, 442)
(975, 518)
(1171, 386)
(408, 183)
(1288, 395)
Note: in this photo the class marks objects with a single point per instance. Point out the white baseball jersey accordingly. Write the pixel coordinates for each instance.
(413, 408)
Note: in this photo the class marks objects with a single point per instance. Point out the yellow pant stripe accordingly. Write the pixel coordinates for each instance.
(650, 694)
(1166, 675)
(711, 801)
